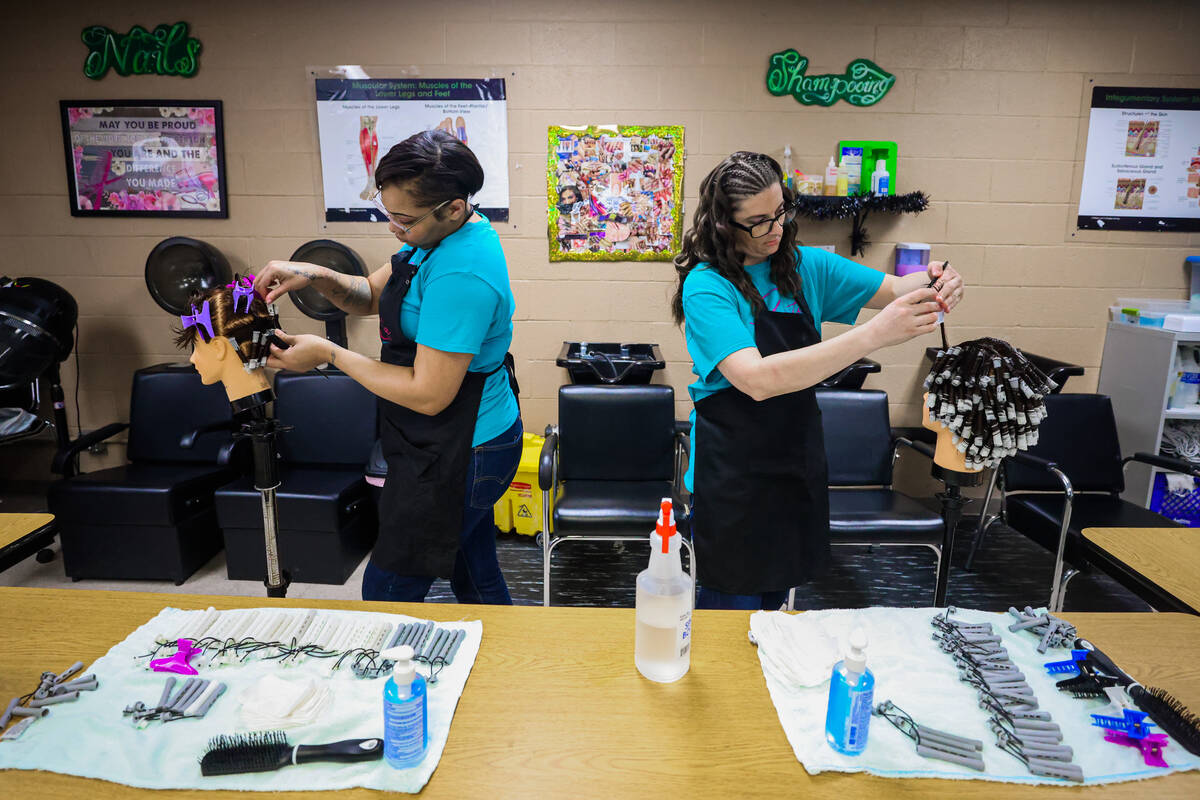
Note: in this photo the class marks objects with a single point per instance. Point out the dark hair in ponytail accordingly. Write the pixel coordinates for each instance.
(713, 240)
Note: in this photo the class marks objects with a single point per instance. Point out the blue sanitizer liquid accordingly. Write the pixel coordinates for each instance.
(850, 700)
(405, 723)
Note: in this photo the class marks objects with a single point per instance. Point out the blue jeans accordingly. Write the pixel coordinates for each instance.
(766, 601)
(477, 576)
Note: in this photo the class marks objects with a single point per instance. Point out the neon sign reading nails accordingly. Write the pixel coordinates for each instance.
(167, 50)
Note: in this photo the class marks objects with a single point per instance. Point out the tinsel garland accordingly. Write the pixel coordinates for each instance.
(821, 208)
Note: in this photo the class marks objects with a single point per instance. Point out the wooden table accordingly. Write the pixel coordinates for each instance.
(22, 535)
(555, 709)
(1161, 564)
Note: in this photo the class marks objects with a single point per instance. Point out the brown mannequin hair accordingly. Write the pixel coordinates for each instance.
(237, 326)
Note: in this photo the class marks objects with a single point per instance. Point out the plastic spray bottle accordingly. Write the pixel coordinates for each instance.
(405, 713)
(851, 694)
(663, 644)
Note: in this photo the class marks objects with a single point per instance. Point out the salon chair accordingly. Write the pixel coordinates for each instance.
(864, 509)
(153, 518)
(1071, 480)
(607, 465)
(853, 376)
(327, 519)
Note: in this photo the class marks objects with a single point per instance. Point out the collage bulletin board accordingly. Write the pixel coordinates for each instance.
(145, 158)
(615, 193)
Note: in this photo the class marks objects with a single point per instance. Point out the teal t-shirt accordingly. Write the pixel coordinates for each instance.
(719, 321)
(461, 302)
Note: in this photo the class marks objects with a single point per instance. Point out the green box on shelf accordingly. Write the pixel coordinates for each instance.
(872, 152)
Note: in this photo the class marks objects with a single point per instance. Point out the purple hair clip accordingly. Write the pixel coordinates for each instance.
(200, 320)
(242, 288)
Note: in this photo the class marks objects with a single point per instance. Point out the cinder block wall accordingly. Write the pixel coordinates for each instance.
(989, 110)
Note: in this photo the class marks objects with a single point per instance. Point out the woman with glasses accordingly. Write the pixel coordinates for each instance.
(753, 302)
(450, 425)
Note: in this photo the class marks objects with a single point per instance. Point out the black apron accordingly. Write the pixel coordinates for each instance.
(761, 518)
(421, 506)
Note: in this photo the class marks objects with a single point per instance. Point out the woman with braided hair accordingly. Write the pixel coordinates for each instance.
(753, 302)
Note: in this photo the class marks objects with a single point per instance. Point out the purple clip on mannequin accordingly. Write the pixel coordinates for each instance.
(200, 320)
(243, 289)
(178, 663)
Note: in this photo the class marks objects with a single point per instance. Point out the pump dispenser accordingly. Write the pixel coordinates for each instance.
(663, 642)
(405, 713)
(851, 694)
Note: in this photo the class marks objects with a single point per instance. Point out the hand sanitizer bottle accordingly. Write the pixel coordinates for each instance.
(851, 693)
(405, 714)
(663, 643)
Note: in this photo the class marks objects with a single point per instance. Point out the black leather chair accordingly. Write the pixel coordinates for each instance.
(863, 508)
(327, 519)
(853, 376)
(607, 465)
(1070, 480)
(152, 519)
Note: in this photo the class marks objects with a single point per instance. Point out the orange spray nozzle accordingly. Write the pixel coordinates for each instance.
(665, 527)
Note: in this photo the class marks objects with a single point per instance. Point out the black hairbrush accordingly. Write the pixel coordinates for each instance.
(270, 750)
(1172, 716)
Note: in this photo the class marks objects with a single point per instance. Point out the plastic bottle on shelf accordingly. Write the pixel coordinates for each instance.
(880, 179)
(851, 694)
(831, 178)
(843, 179)
(405, 712)
(663, 638)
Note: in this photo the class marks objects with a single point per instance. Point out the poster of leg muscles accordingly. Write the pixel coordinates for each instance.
(359, 120)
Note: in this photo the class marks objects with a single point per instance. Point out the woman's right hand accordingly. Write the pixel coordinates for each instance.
(906, 317)
(278, 278)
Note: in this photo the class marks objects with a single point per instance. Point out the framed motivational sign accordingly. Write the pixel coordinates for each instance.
(145, 158)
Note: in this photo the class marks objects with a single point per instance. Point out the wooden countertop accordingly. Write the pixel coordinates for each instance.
(14, 526)
(1167, 557)
(554, 707)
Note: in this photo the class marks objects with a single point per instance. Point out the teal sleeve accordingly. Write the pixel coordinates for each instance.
(847, 286)
(456, 312)
(715, 328)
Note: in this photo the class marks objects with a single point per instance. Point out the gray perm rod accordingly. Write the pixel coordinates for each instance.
(424, 643)
(187, 694)
(166, 692)
(1054, 769)
(462, 634)
(975, 763)
(950, 738)
(36, 711)
(432, 644)
(212, 698)
(69, 671)
(394, 639)
(444, 647)
(424, 634)
(49, 701)
(183, 690)
(8, 711)
(455, 638)
(413, 634)
(403, 631)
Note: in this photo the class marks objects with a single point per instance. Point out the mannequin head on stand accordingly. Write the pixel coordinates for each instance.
(227, 332)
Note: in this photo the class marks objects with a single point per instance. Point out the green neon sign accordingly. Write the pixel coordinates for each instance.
(862, 84)
(167, 50)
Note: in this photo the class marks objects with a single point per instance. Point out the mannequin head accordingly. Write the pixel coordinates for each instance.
(223, 357)
(946, 455)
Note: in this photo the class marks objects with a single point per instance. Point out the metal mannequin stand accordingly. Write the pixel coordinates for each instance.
(952, 505)
(261, 430)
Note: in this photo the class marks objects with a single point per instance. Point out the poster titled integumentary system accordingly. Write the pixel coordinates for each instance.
(359, 120)
(1142, 169)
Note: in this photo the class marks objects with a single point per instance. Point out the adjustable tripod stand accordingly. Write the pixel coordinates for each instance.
(952, 505)
(261, 430)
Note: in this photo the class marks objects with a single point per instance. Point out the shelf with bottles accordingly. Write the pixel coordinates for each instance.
(856, 208)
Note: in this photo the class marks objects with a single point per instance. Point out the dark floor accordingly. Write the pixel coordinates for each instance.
(1010, 571)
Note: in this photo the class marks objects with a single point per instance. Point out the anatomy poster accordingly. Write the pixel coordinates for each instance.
(1142, 168)
(149, 158)
(615, 193)
(358, 121)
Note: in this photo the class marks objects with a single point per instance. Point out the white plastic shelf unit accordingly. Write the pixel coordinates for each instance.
(1135, 371)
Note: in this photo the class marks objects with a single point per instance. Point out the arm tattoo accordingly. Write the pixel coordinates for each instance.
(332, 357)
(351, 293)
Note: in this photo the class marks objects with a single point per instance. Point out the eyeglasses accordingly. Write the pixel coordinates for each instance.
(761, 229)
(404, 227)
